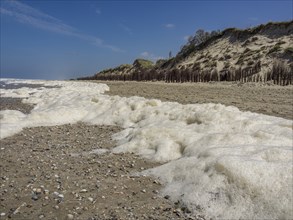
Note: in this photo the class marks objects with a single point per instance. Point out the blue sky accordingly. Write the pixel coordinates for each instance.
(66, 39)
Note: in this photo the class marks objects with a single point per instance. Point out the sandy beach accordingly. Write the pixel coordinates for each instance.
(45, 174)
(57, 173)
(266, 99)
(146, 110)
(67, 172)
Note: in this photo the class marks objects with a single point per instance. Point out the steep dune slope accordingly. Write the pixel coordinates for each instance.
(263, 53)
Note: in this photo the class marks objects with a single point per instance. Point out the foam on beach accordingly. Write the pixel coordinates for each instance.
(219, 161)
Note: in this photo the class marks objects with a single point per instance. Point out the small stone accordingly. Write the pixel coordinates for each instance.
(35, 197)
(167, 209)
(3, 214)
(156, 182)
(70, 216)
(103, 197)
(83, 191)
(144, 191)
(56, 207)
(41, 216)
(185, 209)
(90, 199)
(167, 197)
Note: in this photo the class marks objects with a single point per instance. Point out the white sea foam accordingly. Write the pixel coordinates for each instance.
(219, 161)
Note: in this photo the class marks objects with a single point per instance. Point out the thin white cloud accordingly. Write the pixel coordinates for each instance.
(150, 56)
(31, 16)
(126, 28)
(170, 25)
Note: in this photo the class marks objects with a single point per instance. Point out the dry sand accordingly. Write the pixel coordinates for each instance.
(55, 172)
(267, 98)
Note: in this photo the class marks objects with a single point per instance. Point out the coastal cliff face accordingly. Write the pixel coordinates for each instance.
(259, 54)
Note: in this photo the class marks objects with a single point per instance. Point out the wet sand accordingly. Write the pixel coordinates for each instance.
(14, 104)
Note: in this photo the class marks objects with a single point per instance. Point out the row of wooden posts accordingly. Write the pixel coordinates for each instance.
(280, 74)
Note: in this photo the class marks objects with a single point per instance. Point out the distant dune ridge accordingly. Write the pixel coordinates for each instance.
(260, 54)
